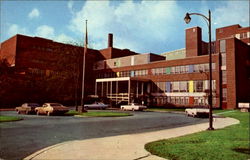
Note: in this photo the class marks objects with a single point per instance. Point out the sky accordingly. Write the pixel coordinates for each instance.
(142, 26)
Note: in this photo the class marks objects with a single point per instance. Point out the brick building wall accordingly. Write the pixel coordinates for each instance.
(230, 57)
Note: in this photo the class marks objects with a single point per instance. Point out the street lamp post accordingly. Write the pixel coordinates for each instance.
(187, 19)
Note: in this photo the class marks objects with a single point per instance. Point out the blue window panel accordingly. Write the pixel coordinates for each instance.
(168, 87)
(191, 68)
(132, 73)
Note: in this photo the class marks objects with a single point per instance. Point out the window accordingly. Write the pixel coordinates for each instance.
(223, 59)
(191, 68)
(172, 100)
(198, 87)
(224, 94)
(177, 100)
(213, 66)
(206, 67)
(168, 87)
(176, 86)
(183, 69)
(132, 73)
(177, 69)
(196, 100)
(186, 100)
(222, 46)
(161, 87)
(183, 86)
(182, 100)
(224, 77)
(153, 71)
(172, 70)
(196, 68)
(168, 70)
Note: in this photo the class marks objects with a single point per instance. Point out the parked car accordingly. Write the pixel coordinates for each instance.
(133, 107)
(51, 108)
(197, 112)
(96, 105)
(27, 108)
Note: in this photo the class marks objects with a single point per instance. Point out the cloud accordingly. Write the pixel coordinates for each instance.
(233, 12)
(64, 39)
(45, 31)
(16, 29)
(34, 13)
(70, 6)
(136, 25)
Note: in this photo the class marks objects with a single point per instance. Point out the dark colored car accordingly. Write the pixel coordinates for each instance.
(51, 108)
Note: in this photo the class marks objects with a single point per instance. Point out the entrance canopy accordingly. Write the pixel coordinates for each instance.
(122, 89)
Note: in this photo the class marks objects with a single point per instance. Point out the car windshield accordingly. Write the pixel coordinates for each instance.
(55, 104)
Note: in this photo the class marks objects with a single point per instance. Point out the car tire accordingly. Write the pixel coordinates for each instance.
(26, 112)
(37, 113)
(123, 109)
(133, 109)
(18, 112)
(48, 113)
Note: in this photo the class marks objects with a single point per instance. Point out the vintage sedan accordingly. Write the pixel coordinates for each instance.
(96, 105)
(197, 112)
(133, 107)
(51, 108)
(27, 108)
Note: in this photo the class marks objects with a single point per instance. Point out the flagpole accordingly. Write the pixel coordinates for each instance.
(83, 68)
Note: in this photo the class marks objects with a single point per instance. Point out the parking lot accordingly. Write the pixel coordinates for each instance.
(21, 138)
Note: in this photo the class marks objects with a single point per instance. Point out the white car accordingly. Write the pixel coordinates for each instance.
(133, 107)
(197, 112)
(96, 105)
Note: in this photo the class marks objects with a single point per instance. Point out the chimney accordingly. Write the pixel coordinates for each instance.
(110, 40)
(193, 42)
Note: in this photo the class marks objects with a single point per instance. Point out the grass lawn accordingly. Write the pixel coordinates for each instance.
(99, 114)
(9, 118)
(229, 143)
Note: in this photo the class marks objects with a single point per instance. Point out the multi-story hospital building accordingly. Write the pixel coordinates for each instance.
(175, 78)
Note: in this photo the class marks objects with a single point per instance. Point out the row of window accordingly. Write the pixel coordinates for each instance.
(196, 68)
(183, 86)
(183, 69)
(182, 100)
(42, 48)
(135, 73)
(243, 35)
(41, 72)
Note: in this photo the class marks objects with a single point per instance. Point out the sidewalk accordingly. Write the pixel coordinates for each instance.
(123, 147)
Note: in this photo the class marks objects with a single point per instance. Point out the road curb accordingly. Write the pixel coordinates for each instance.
(119, 147)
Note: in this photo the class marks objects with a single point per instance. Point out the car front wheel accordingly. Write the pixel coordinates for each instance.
(48, 113)
(37, 113)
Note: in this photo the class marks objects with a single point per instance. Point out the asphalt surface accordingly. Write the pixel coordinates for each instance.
(21, 138)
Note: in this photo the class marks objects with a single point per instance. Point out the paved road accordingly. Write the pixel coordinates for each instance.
(20, 139)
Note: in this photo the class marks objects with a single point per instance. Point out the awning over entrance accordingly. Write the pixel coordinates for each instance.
(122, 89)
